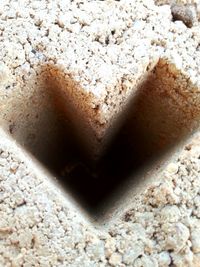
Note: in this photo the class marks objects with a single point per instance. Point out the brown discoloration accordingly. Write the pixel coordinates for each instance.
(6, 230)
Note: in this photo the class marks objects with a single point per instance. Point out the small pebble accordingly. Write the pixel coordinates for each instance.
(4, 74)
(172, 168)
(195, 238)
(164, 258)
(183, 13)
(115, 259)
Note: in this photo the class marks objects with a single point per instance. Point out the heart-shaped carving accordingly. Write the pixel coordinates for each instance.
(61, 125)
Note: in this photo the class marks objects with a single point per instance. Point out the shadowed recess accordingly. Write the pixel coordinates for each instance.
(165, 111)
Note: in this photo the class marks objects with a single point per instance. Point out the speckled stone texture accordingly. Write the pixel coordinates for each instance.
(96, 56)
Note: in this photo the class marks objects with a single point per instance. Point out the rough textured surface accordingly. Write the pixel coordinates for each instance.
(100, 50)
(38, 227)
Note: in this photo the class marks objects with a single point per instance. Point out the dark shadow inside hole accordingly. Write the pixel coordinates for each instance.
(156, 119)
(122, 159)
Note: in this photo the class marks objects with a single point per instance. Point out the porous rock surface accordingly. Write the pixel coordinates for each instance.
(104, 48)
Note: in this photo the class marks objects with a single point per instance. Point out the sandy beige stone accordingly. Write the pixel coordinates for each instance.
(96, 53)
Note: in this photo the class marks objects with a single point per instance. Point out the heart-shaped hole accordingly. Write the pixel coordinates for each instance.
(57, 125)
